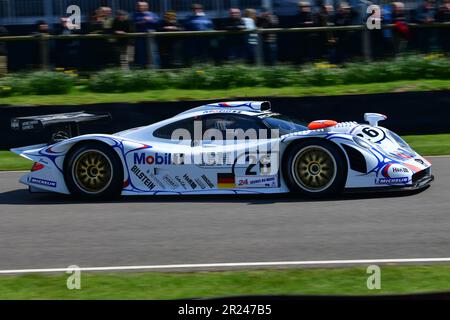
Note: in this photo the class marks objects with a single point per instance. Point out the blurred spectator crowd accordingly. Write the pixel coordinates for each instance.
(298, 48)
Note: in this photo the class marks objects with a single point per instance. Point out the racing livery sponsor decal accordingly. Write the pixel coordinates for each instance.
(391, 181)
(157, 181)
(28, 125)
(158, 158)
(170, 181)
(257, 182)
(402, 170)
(221, 111)
(394, 173)
(200, 183)
(181, 182)
(395, 170)
(226, 180)
(190, 181)
(43, 182)
(208, 182)
(143, 177)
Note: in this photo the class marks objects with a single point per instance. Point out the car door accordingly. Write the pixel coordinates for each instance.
(233, 152)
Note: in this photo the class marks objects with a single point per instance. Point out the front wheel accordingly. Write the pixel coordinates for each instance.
(315, 168)
(94, 170)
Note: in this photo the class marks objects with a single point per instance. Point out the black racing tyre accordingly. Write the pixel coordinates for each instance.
(93, 170)
(315, 168)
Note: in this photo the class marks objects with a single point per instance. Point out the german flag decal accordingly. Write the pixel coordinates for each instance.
(225, 180)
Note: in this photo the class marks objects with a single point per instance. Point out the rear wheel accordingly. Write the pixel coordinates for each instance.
(94, 170)
(315, 168)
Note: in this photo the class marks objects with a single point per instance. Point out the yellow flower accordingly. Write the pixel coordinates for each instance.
(324, 65)
(200, 72)
(433, 56)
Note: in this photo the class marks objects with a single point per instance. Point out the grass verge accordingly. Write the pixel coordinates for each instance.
(11, 162)
(341, 281)
(430, 145)
(426, 145)
(80, 96)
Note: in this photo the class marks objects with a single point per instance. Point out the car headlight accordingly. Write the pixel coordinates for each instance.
(402, 143)
(361, 142)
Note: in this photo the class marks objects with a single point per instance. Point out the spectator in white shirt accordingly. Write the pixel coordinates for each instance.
(252, 38)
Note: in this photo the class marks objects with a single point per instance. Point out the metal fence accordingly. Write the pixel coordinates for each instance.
(368, 44)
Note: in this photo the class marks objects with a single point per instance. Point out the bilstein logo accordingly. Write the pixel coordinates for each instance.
(157, 158)
(141, 176)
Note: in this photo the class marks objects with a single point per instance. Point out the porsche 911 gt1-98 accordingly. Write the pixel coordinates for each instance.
(223, 148)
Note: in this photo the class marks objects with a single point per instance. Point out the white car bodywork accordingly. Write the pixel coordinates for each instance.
(376, 158)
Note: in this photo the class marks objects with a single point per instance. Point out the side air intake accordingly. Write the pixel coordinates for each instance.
(357, 160)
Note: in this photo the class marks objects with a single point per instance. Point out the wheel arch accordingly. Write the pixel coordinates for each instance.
(294, 143)
(72, 148)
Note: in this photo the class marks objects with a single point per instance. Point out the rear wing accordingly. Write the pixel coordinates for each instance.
(62, 126)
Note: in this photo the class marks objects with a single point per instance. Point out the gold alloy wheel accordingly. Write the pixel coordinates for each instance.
(92, 171)
(314, 168)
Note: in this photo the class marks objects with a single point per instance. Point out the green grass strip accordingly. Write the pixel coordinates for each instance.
(341, 281)
(12, 162)
(80, 96)
(430, 145)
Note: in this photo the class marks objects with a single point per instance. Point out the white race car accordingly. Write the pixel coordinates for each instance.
(222, 148)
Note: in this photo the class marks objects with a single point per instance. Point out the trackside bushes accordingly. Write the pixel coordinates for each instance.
(117, 80)
(237, 75)
(206, 77)
(210, 77)
(319, 76)
(37, 83)
(42, 83)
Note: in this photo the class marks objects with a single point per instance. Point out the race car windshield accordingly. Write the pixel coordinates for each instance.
(284, 124)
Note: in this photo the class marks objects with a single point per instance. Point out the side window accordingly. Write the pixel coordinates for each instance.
(233, 123)
(167, 131)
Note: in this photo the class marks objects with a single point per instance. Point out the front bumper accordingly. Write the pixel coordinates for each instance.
(420, 182)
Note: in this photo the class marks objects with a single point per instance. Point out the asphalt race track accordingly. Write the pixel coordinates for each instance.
(52, 231)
